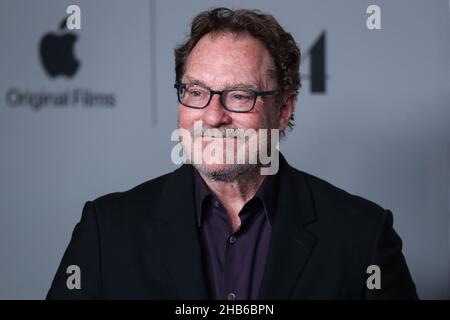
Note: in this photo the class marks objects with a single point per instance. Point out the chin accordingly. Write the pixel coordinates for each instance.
(225, 172)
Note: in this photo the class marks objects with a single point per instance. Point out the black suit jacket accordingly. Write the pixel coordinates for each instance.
(144, 243)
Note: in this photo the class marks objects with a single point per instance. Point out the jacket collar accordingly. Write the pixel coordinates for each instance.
(291, 243)
(175, 233)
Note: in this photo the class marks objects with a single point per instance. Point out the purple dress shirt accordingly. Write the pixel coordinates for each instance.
(234, 261)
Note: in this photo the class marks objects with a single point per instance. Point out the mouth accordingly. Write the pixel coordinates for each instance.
(214, 138)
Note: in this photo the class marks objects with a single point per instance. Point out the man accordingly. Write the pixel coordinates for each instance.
(217, 229)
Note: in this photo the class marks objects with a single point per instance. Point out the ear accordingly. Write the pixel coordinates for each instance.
(287, 108)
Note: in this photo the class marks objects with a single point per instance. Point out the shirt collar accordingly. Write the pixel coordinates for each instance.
(266, 193)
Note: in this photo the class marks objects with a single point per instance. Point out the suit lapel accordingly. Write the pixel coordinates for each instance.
(176, 236)
(291, 244)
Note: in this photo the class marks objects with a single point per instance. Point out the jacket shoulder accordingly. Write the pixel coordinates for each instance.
(336, 204)
(139, 200)
(357, 233)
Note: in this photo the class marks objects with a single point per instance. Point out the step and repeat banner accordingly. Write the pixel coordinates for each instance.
(87, 107)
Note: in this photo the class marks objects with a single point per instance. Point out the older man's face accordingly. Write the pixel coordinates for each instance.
(228, 61)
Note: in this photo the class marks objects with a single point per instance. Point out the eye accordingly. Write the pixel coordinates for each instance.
(241, 95)
(196, 92)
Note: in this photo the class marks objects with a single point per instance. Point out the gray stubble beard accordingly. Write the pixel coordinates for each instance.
(232, 173)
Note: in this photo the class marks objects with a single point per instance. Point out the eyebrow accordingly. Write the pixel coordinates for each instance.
(239, 85)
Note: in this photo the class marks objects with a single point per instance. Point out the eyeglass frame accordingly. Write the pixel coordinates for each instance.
(256, 94)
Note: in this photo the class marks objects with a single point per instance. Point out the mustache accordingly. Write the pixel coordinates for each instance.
(221, 132)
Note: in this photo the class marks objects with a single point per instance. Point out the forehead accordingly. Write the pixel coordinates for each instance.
(226, 59)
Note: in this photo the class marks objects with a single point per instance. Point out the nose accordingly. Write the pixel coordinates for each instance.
(214, 114)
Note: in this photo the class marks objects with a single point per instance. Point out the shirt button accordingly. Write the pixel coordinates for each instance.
(216, 204)
(231, 296)
(232, 239)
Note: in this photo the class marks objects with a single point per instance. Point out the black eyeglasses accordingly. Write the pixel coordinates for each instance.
(234, 100)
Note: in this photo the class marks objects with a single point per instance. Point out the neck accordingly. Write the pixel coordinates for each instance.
(234, 194)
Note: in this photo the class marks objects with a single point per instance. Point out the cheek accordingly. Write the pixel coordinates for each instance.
(273, 117)
(265, 118)
(187, 117)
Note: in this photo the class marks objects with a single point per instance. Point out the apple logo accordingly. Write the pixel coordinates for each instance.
(56, 52)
